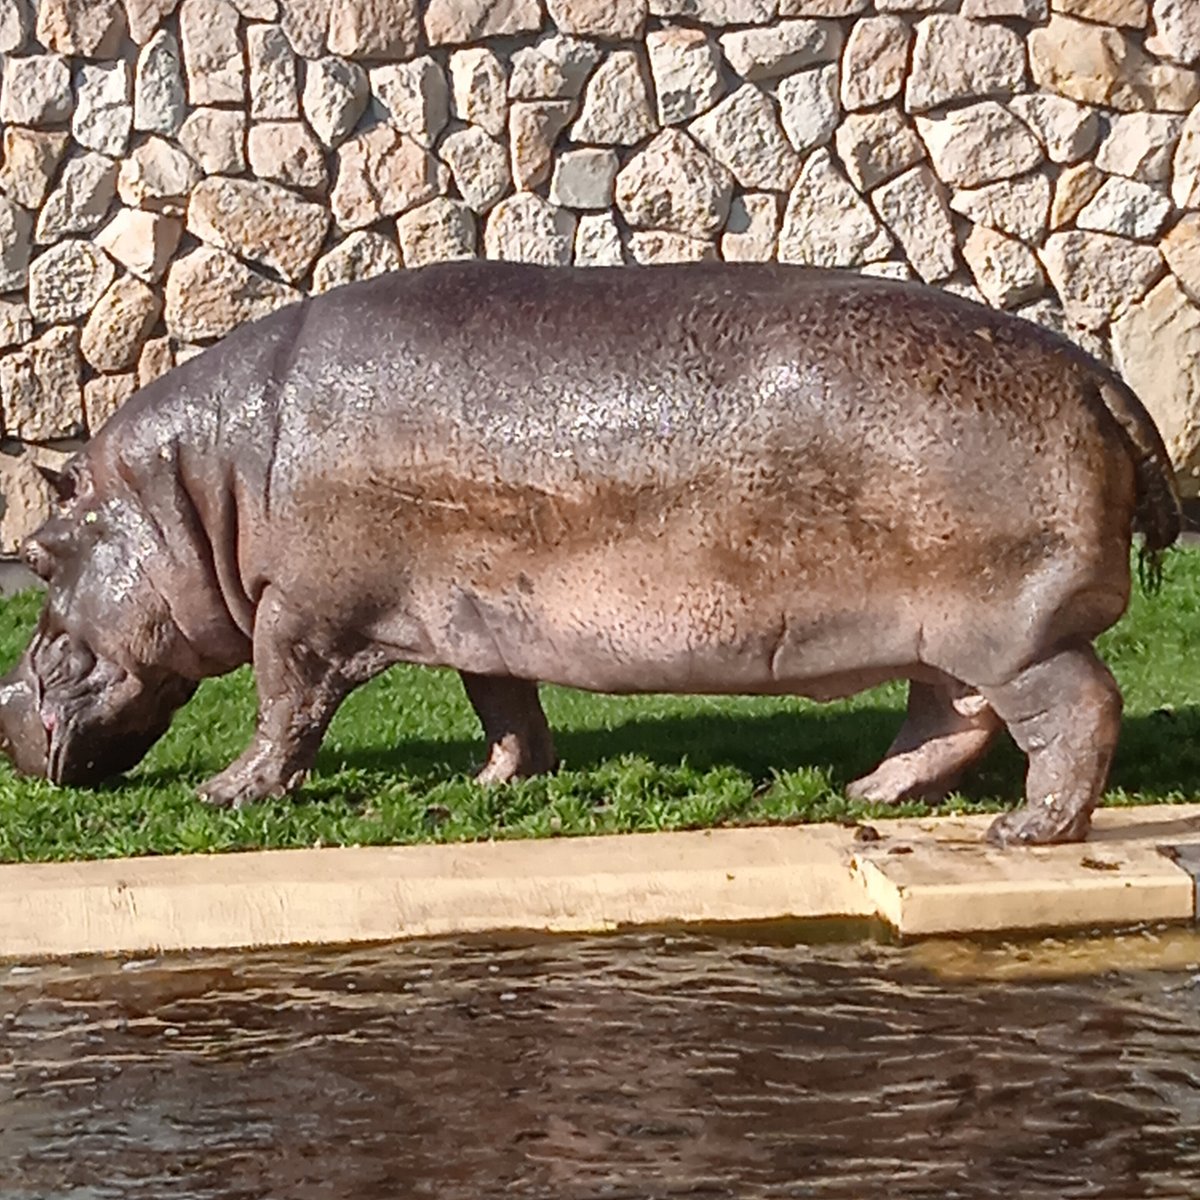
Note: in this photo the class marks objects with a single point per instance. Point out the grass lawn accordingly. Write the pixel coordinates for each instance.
(395, 765)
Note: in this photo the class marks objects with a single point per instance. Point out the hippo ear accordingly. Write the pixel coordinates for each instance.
(61, 484)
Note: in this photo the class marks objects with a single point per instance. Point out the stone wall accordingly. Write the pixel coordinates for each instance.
(174, 167)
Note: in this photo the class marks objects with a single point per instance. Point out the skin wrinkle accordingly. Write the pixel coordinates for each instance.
(702, 478)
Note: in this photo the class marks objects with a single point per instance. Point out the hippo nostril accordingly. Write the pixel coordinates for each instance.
(49, 720)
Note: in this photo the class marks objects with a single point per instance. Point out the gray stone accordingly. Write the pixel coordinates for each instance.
(875, 146)
(258, 10)
(1185, 185)
(210, 293)
(875, 61)
(673, 185)
(614, 20)
(157, 175)
(889, 269)
(616, 107)
(1005, 269)
(16, 323)
(142, 242)
(442, 230)
(809, 236)
(159, 97)
(1126, 207)
(913, 206)
(584, 178)
(1020, 207)
(272, 74)
(822, 8)
(103, 114)
(415, 97)
(215, 140)
(979, 144)
(958, 59)
(335, 95)
(102, 397)
(212, 53)
(915, 6)
(30, 161)
(381, 173)
(657, 246)
(82, 28)
(145, 16)
(598, 241)
(808, 106)
(718, 12)
(306, 24)
(556, 68)
(288, 153)
(1176, 31)
(374, 29)
(1140, 146)
(743, 132)
(16, 225)
(479, 166)
(686, 67)
(40, 387)
(454, 22)
(479, 89)
(533, 128)
(16, 24)
(526, 228)
(1072, 190)
(1098, 276)
(35, 91)
(1023, 10)
(1050, 314)
(782, 48)
(66, 281)
(258, 221)
(752, 230)
(362, 255)
(1067, 130)
(80, 201)
(119, 325)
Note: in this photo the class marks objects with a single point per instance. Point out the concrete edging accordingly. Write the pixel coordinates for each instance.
(928, 876)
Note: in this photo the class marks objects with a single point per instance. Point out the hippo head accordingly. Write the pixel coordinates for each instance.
(91, 693)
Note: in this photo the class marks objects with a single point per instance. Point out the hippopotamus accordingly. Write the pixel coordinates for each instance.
(701, 478)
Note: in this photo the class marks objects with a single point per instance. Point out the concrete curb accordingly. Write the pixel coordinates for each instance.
(928, 876)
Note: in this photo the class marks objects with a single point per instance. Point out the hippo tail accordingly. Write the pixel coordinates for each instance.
(1157, 514)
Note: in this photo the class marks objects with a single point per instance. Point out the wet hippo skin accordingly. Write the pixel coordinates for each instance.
(698, 478)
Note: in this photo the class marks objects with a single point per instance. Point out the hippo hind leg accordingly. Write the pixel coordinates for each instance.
(948, 727)
(519, 740)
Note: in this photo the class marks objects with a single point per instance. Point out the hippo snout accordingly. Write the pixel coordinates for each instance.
(24, 737)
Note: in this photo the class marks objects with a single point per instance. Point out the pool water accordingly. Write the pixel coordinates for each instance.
(739, 1064)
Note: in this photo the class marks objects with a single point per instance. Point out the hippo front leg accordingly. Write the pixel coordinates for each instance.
(519, 740)
(299, 690)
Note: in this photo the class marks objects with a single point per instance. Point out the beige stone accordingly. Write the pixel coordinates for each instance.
(1098, 64)
(673, 185)
(822, 8)
(526, 228)
(479, 166)
(977, 144)
(583, 178)
(613, 20)
(159, 94)
(210, 293)
(455, 22)
(1126, 207)
(374, 29)
(1020, 207)
(272, 74)
(415, 97)
(81, 199)
(1073, 189)
(808, 106)
(913, 206)
(479, 89)
(156, 359)
(751, 233)
(16, 229)
(85, 28)
(40, 388)
(809, 236)
(102, 397)
(718, 13)
(1176, 31)
(362, 255)
(215, 140)
(288, 153)
(533, 129)
(782, 48)
(890, 269)
(258, 221)
(306, 24)
(875, 146)
(686, 68)
(16, 24)
(145, 16)
(1050, 314)
(1131, 13)
(875, 61)
(743, 132)
(66, 281)
(35, 90)
(1140, 146)
(157, 175)
(16, 323)
(1025, 10)
(657, 246)
(915, 6)
(212, 52)
(30, 162)
(1185, 185)
(1181, 249)
(119, 325)
(598, 241)
(441, 230)
(103, 113)
(380, 174)
(616, 108)
(142, 242)
(958, 59)
(556, 68)
(1067, 130)
(1157, 348)
(1005, 269)
(335, 95)
(1097, 275)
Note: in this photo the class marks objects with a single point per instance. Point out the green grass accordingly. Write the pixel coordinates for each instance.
(395, 765)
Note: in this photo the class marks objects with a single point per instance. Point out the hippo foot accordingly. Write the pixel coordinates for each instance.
(893, 782)
(245, 783)
(1046, 823)
(511, 759)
